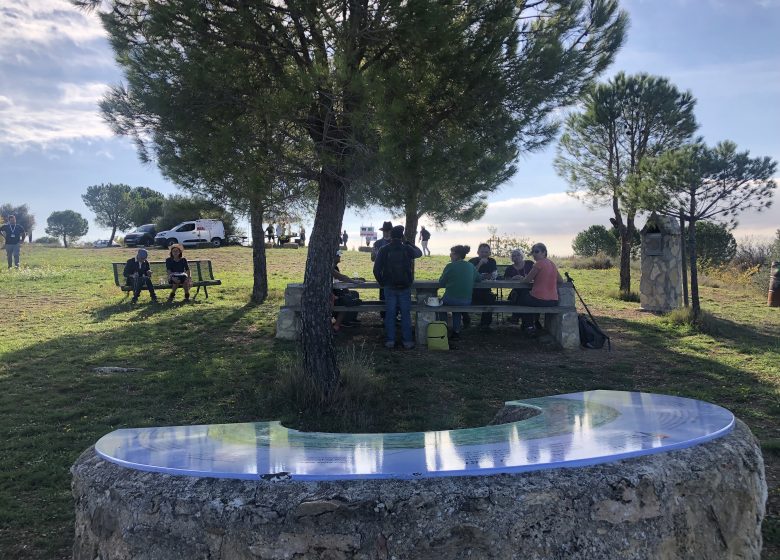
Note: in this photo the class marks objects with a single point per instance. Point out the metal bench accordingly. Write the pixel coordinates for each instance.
(201, 271)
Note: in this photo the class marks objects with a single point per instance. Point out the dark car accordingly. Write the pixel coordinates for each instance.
(142, 235)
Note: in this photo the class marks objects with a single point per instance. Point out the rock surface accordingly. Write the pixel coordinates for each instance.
(702, 502)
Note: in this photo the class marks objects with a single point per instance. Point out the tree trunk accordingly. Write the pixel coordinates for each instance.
(30, 234)
(694, 272)
(682, 256)
(111, 239)
(410, 229)
(319, 353)
(65, 239)
(259, 268)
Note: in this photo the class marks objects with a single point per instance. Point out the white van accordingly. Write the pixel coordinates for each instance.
(194, 233)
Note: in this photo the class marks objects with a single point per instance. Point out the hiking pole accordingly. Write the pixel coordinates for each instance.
(585, 305)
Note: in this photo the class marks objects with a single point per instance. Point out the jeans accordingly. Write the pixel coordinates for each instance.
(12, 252)
(456, 317)
(525, 298)
(139, 283)
(398, 299)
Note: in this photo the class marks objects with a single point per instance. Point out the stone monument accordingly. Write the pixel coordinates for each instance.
(660, 288)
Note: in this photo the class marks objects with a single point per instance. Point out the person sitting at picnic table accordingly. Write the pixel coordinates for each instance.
(518, 270)
(345, 297)
(138, 274)
(544, 293)
(458, 279)
(178, 273)
(488, 270)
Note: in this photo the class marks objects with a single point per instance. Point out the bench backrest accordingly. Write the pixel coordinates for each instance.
(200, 270)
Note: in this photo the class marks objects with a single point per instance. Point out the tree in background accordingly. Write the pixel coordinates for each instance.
(23, 217)
(594, 240)
(502, 245)
(623, 121)
(701, 183)
(111, 204)
(146, 206)
(715, 245)
(67, 225)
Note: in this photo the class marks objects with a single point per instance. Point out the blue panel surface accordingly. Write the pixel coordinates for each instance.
(573, 430)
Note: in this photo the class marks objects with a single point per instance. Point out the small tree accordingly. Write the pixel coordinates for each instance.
(700, 183)
(23, 217)
(111, 204)
(502, 245)
(715, 244)
(594, 240)
(67, 224)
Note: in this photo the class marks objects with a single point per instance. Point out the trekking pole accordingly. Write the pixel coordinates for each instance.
(585, 305)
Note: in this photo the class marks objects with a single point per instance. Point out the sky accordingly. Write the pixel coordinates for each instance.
(56, 64)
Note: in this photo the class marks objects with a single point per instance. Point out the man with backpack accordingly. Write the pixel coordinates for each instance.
(394, 271)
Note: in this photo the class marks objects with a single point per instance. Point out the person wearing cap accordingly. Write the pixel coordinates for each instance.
(178, 272)
(345, 297)
(138, 274)
(394, 271)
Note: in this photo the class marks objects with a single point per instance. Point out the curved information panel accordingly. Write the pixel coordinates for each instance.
(571, 430)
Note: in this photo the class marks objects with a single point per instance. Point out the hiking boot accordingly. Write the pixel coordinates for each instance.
(186, 297)
(170, 298)
(389, 345)
(408, 345)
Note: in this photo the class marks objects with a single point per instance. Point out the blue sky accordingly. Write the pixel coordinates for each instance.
(55, 64)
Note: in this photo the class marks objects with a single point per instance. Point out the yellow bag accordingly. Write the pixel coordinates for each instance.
(437, 336)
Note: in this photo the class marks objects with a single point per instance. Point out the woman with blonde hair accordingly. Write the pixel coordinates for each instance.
(178, 272)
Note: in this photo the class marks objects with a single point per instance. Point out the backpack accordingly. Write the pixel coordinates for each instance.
(437, 336)
(397, 270)
(591, 336)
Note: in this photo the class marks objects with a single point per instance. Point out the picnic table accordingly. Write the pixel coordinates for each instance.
(560, 321)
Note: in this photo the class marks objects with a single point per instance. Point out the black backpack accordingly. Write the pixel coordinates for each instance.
(397, 270)
(591, 336)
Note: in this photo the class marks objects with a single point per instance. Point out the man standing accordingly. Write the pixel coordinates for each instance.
(344, 238)
(270, 233)
(14, 237)
(387, 227)
(279, 233)
(394, 271)
(425, 235)
(139, 275)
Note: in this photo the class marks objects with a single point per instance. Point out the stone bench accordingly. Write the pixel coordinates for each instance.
(560, 321)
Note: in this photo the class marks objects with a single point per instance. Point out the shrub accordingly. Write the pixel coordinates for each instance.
(624, 295)
(355, 404)
(752, 252)
(46, 240)
(596, 262)
(715, 246)
(705, 323)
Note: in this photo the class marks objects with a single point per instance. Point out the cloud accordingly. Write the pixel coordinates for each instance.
(82, 94)
(44, 22)
(556, 218)
(22, 125)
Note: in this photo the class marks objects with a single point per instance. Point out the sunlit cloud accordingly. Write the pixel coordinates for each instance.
(45, 22)
(82, 94)
(20, 125)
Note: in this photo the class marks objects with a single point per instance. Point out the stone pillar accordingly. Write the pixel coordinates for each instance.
(288, 322)
(424, 318)
(773, 298)
(660, 288)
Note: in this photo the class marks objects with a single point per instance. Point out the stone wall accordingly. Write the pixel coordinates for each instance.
(703, 502)
(660, 288)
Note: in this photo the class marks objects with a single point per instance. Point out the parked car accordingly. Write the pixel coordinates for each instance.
(193, 234)
(142, 235)
(103, 243)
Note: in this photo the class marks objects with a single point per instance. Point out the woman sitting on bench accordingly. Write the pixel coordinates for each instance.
(178, 273)
(544, 292)
(518, 270)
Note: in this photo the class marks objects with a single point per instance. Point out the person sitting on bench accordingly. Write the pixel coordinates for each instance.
(344, 297)
(518, 270)
(544, 292)
(178, 273)
(458, 279)
(138, 275)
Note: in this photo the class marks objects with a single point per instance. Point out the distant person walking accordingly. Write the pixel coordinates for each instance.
(344, 238)
(14, 237)
(270, 232)
(138, 274)
(425, 235)
(394, 271)
(279, 233)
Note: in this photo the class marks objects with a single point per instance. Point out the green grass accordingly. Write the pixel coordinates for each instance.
(216, 360)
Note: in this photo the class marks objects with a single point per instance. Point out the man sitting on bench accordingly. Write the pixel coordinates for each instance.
(138, 275)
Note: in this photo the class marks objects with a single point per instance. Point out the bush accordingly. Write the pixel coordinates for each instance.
(47, 240)
(624, 295)
(596, 262)
(752, 253)
(705, 323)
(355, 405)
(594, 241)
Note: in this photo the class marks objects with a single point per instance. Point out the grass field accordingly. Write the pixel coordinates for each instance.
(216, 360)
